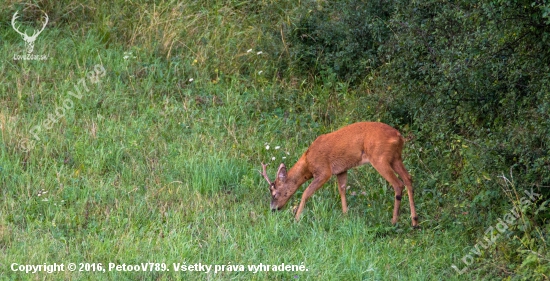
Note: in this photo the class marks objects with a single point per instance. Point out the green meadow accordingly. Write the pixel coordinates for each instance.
(130, 148)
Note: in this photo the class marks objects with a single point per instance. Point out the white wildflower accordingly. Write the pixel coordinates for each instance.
(128, 55)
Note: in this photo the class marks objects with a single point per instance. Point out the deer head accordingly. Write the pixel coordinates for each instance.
(29, 40)
(278, 189)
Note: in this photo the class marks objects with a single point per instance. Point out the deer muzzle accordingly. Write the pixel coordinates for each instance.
(274, 207)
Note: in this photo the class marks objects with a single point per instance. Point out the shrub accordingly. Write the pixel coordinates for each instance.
(340, 37)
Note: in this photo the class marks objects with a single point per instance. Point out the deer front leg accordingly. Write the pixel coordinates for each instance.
(342, 177)
(313, 186)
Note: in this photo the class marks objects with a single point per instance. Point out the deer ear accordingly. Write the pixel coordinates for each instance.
(281, 173)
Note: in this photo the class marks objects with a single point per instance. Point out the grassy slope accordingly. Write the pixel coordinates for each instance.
(149, 166)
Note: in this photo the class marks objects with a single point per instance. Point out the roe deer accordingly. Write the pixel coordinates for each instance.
(339, 151)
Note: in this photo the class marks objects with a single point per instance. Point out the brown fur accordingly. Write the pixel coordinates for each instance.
(339, 151)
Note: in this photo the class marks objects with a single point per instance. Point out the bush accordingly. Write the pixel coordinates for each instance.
(483, 69)
(340, 37)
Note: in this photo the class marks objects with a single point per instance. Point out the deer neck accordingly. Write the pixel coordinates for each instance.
(298, 174)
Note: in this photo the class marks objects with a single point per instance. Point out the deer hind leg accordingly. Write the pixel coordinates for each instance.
(342, 177)
(313, 186)
(406, 177)
(384, 168)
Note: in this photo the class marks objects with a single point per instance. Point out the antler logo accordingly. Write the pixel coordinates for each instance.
(29, 40)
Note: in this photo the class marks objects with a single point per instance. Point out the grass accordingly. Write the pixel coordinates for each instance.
(158, 161)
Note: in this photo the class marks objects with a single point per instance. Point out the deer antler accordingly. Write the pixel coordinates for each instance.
(264, 173)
